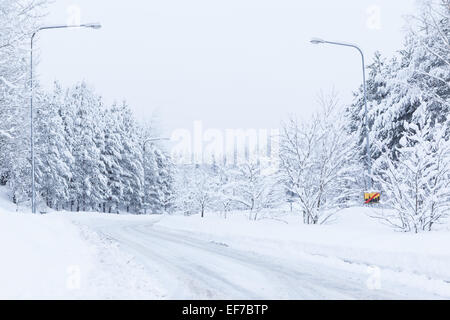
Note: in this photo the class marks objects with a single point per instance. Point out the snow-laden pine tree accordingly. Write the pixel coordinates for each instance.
(102, 190)
(319, 163)
(162, 176)
(88, 179)
(53, 157)
(111, 157)
(131, 161)
(17, 21)
(165, 180)
(67, 111)
(158, 180)
(379, 72)
(152, 193)
(419, 77)
(416, 184)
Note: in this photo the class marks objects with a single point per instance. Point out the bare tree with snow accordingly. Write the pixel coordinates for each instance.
(255, 188)
(196, 190)
(319, 163)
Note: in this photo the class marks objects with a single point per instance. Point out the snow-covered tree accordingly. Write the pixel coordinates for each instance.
(225, 193)
(17, 21)
(131, 162)
(419, 77)
(111, 157)
(53, 156)
(159, 178)
(254, 187)
(318, 162)
(379, 73)
(88, 179)
(416, 184)
(196, 189)
(165, 180)
(88, 157)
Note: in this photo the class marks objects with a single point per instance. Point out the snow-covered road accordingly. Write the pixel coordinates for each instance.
(189, 266)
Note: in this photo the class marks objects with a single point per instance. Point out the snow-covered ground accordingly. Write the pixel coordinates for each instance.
(355, 242)
(175, 257)
(50, 257)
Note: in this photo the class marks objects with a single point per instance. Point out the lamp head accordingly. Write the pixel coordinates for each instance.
(317, 41)
(95, 26)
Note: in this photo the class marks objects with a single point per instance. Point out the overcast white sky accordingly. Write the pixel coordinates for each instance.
(229, 63)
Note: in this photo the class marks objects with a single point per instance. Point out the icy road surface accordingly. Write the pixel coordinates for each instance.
(189, 266)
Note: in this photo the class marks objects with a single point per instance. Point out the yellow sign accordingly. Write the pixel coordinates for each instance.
(373, 197)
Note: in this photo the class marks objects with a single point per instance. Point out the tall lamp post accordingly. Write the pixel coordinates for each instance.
(33, 167)
(366, 120)
(145, 171)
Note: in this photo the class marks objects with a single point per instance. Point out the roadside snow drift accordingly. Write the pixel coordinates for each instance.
(48, 257)
(42, 257)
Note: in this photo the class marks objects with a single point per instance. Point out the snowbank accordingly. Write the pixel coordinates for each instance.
(48, 257)
(42, 257)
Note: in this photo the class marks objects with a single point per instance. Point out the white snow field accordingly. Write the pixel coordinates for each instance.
(176, 257)
(50, 257)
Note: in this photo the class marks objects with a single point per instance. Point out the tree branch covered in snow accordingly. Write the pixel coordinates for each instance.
(417, 184)
(419, 78)
(319, 162)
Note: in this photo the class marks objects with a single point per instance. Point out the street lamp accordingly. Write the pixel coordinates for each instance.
(366, 120)
(95, 26)
(145, 171)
